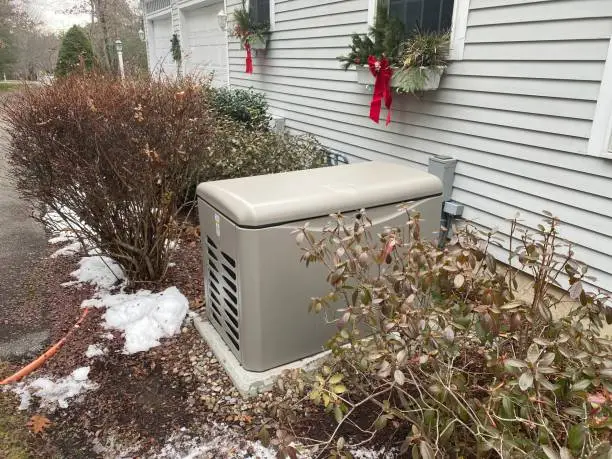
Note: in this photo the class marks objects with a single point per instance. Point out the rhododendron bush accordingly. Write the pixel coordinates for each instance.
(437, 354)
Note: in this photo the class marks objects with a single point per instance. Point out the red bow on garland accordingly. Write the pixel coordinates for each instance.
(382, 87)
(249, 57)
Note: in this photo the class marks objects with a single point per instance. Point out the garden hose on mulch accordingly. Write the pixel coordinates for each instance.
(29, 368)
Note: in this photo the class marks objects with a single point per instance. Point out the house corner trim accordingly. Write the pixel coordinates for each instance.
(461, 10)
(599, 140)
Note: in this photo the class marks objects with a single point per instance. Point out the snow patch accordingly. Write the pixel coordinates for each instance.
(143, 317)
(95, 350)
(62, 236)
(364, 453)
(63, 232)
(172, 244)
(54, 393)
(71, 249)
(102, 272)
(58, 224)
(221, 442)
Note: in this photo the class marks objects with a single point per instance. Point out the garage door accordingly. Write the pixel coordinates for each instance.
(205, 43)
(161, 56)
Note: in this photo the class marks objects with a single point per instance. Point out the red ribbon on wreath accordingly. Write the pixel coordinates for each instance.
(382, 87)
(249, 57)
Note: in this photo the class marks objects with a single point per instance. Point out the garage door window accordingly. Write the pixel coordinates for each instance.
(259, 10)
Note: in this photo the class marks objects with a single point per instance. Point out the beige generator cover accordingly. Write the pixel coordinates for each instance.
(257, 290)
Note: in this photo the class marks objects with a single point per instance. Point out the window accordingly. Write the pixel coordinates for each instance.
(259, 10)
(431, 16)
(428, 15)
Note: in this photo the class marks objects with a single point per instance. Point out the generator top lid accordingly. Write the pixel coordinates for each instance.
(270, 199)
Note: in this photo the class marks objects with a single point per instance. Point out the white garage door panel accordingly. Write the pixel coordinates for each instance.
(162, 56)
(206, 44)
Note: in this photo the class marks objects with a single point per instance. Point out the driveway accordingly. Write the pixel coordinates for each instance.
(22, 243)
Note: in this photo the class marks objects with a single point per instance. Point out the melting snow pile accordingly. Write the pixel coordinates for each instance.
(102, 272)
(52, 393)
(144, 317)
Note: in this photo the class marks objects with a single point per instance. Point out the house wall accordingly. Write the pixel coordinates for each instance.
(516, 111)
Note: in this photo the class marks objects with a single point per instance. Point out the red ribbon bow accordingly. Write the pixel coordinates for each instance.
(249, 57)
(382, 87)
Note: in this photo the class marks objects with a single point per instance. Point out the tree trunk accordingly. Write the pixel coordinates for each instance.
(101, 7)
(93, 19)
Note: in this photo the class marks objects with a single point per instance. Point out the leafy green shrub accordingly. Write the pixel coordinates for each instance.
(247, 106)
(111, 158)
(456, 363)
(75, 52)
(238, 151)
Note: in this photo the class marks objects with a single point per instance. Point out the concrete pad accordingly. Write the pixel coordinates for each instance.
(249, 383)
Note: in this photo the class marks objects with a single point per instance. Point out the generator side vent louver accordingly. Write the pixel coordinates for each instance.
(222, 292)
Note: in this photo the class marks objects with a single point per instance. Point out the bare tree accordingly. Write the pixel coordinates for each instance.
(112, 19)
(28, 49)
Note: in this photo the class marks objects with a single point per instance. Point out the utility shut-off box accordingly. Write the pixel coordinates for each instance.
(257, 290)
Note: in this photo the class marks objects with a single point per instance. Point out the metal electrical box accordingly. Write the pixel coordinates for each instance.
(257, 290)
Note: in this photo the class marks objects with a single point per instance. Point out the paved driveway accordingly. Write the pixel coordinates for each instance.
(22, 243)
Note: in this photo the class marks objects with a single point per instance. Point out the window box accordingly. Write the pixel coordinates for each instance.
(432, 77)
(259, 42)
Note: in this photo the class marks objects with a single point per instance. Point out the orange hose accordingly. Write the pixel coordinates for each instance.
(29, 368)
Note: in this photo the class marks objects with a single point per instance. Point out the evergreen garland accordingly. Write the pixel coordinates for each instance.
(176, 48)
(384, 39)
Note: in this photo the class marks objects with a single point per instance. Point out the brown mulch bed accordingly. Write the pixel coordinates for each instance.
(143, 399)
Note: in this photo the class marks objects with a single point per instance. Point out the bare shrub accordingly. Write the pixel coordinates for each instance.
(455, 364)
(111, 158)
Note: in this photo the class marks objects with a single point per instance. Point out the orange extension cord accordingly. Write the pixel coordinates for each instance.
(29, 368)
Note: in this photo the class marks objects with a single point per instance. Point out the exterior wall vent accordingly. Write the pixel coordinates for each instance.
(257, 291)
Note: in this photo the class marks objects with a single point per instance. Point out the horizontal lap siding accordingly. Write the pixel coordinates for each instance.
(516, 112)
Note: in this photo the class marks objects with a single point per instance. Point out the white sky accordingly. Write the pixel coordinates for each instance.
(50, 13)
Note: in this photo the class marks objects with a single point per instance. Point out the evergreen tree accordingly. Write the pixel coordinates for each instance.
(75, 48)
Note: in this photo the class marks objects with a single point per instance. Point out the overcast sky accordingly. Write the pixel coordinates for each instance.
(50, 13)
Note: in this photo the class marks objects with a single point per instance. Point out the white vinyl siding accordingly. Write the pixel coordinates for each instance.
(516, 111)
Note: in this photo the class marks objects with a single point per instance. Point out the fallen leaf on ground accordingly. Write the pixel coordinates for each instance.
(38, 423)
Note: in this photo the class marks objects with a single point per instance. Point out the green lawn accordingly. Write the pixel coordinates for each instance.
(14, 434)
(8, 86)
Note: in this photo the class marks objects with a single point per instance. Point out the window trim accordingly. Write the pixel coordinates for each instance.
(461, 9)
(272, 14)
(600, 140)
